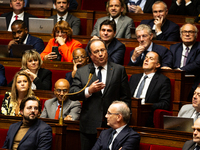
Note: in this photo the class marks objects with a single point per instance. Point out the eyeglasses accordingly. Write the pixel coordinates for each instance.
(82, 57)
(97, 51)
(188, 32)
(198, 129)
(64, 90)
(109, 113)
(144, 36)
(61, 32)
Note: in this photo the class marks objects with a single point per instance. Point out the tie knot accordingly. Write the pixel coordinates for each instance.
(113, 132)
(197, 147)
(100, 67)
(187, 48)
(61, 18)
(59, 106)
(16, 17)
(145, 76)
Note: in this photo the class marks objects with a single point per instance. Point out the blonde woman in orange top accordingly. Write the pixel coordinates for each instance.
(62, 34)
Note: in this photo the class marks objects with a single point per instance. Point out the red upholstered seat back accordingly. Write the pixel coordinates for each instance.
(10, 72)
(4, 41)
(144, 146)
(3, 133)
(160, 147)
(83, 26)
(127, 55)
(97, 5)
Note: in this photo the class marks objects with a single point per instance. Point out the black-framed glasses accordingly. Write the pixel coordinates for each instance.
(188, 32)
(59, 90)
(109, 113)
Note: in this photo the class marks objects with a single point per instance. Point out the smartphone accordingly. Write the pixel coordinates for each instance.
(55, 49)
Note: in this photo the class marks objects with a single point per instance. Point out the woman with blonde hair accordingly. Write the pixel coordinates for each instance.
(21, 88)
(62, 40)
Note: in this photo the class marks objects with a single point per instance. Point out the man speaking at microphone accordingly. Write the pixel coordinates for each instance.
(109, 83)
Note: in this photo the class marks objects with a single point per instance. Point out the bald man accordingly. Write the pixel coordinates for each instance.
(52, 107)
(195, 143)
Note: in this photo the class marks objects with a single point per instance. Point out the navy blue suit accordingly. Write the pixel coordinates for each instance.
(3, 81)
(161, 50)
(193, 60)
(9, 16)
(127, 139)
(38, 137)
(170, 30)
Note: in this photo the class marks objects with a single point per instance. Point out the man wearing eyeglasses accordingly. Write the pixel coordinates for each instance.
(144, 36)
(109, 82)
(119, 136)
(52, 107)
(194, 144)
(80, 59)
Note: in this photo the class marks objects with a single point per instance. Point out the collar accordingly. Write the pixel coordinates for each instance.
(149, 75)
(116, 19)
(190, 47)
(118, 130)
(24, 42)
(149, 49)
(104, 67)
(19, 15)
(64, 17)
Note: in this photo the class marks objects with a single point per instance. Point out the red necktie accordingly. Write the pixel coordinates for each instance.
(57, 112)
(16, 17)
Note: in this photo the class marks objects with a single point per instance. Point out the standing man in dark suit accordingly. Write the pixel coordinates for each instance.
(140, 6)
(111, 84)
(144, 36)
(3, 81)
(116, 10)
(116, 49)
(63, 14)
(195, 143)
(52, 107)
(119, 136)
(165, 29)
(185, 7)
(21, 36)
(151, 86)
(17, 13)
(31, 133)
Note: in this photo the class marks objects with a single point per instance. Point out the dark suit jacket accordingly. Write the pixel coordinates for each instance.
(127, 139)
(147, 6)
(38, 137)
(158, 93)
(164, 53)
(42, 81)
(68, 77)
(9, 16)
(189, 145)
(3, 81)
(193, 9)
(73, 5)
(95, 107)
(193, 60)
(73, 21)
(170, 30)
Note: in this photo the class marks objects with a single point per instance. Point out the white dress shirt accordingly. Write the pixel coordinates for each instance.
(20, 17)
(183, 54)
(64, 17)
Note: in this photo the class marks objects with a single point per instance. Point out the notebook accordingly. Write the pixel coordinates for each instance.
(19, 49)
(41, 25)
(41, 3)
(4, 51)
(178, 123)
(3, 26)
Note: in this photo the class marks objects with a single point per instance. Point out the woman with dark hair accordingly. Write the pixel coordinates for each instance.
(21, 88)
(62, 34)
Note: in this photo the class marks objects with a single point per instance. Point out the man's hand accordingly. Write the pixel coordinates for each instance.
(60, 40)
(96, 86)
(30, 74)
(158, 23)
(179, 1)
(138, 10)
(186, 1)
(137, 52)
(15, 41)
(50, 56)
(68, 117)
(75, 68)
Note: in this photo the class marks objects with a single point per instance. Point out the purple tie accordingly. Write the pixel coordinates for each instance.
(185, 57)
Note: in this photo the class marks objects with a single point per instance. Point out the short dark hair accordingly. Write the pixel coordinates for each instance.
(91, 41)
(33, 98)
(109, 22)
(159, 59)
(18, 22)
(54, 1)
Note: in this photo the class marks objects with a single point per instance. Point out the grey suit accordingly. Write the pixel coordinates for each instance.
(73, 21)
(186, 111)
(69, 108)
(189, 145)
(123, 27)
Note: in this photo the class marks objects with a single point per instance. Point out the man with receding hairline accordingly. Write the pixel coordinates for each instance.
(52, 107)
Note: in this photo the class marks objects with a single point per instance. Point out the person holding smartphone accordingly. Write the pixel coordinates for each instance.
(62, 34)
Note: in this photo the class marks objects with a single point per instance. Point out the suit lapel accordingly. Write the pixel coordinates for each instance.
(119, 24)
(94, 77)
(66, 105)
(111, 47)
(192, 52)
(54, 108)
(179, 55)
(134, 84)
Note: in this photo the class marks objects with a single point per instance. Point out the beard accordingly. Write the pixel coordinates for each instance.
(29, 119)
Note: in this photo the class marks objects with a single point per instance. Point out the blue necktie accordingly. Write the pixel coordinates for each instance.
(111, 137)
(99, 73)
(197, 147)
(141, 87)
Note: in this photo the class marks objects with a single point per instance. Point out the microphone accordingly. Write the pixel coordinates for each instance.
(197, 19)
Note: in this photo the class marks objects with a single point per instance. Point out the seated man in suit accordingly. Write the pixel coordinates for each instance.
(144, 36)
(165, 29)
(80, 59)
(194, 144)
(21, 36)
(115, 48)
(116, 10)
(151, 86)
(72, 4)
(185, 7)
(31, 133)
(119, 136)
(140, 6)
(3, 81)
(63, 14)
(17, 13)
(192, 110)
(52, 107)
